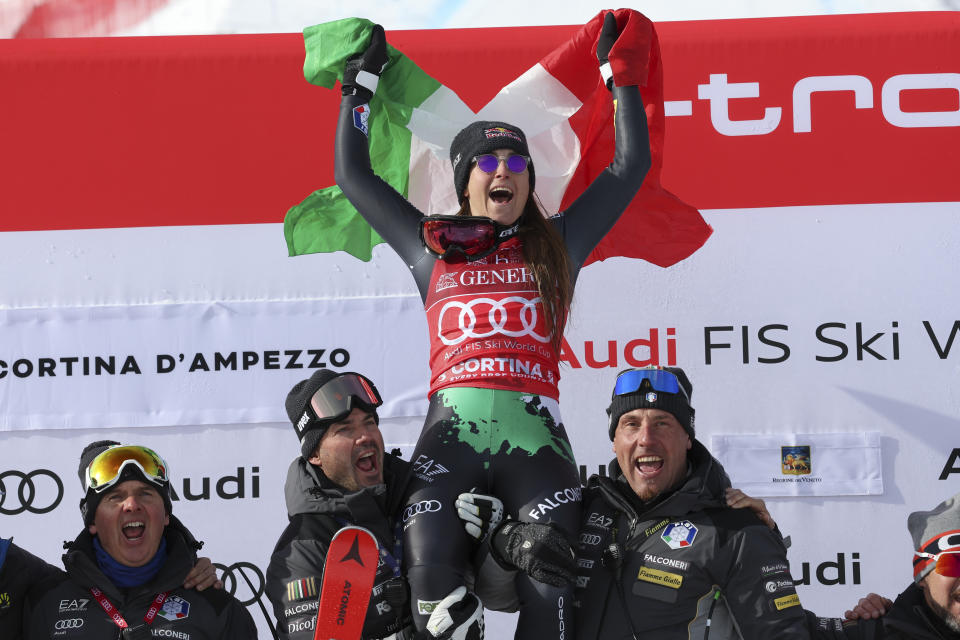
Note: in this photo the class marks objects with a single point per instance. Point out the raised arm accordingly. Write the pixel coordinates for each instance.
(598, 208)
(389, 213)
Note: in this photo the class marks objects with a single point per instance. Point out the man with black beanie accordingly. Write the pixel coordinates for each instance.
(660, 554)
(125, 571)
(343, 477)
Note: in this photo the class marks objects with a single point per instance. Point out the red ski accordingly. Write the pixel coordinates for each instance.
(348, 575)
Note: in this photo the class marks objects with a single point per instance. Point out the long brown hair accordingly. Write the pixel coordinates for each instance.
(547, 259)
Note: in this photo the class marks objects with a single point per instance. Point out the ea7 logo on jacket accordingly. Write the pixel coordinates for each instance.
(78, 604)
(679, 535)
(599, 520)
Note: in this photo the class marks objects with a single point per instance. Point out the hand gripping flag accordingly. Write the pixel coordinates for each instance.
(560, 103)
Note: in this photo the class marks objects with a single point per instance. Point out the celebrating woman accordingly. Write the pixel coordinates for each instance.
(497, 279)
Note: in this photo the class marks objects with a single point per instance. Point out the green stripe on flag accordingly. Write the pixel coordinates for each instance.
(325, 221)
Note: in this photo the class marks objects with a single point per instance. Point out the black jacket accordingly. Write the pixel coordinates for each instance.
(62, 606)
(685, 561)
(19, 571)
(317, 509)
(909, 619)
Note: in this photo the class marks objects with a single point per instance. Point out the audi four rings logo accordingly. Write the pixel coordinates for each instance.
(248, 573)
(589, 538)
(497, 315)
(31, 493)
(69, 623)
(424, 506)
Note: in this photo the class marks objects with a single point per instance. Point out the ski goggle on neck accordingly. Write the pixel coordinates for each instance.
(473, 236)
(631, 380)
(488, 162)
(108, 467)
(335, 399)
(948, 562)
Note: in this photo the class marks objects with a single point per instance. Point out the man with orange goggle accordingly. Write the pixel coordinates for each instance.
(131, 561)
(929, 609)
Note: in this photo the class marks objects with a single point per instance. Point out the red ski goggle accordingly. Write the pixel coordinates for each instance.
(473, 236)
(488, 162)
(335, 399)
(948, 562)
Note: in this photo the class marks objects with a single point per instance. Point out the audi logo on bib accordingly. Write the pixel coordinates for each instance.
(29, 493)
(424, 506)
(69, 623)
(512, 316)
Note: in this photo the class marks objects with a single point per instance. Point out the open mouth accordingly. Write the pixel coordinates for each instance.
(501, 195)
(133, 530)
(648, 465)
(367, 462)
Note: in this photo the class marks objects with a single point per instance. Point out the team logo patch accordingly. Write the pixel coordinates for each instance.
(502, 132)
(795, 460)
(786, 602)
(651, 396)
(301, 589)
(361, 114)
(664, 578)
(679, 535)
(426, 607)
(446, 281)
(174, 608)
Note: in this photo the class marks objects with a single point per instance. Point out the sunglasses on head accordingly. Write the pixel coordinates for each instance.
(948, 562)
(335, 399)
(473, 236)
(107, 468)
(631, 380)
(488, 162)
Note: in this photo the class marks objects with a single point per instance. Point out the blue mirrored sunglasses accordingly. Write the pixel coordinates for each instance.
(663, 381)
(488, 162)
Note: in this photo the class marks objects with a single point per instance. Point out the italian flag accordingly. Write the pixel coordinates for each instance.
(560, 103)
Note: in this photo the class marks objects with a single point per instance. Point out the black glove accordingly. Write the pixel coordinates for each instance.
(362, 72)
(540, 550)
(459, 616)
(608, 35)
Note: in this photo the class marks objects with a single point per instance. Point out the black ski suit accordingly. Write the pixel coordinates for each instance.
(524, 476)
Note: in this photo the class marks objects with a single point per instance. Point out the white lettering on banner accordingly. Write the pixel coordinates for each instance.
(498, 315)
(718, 91)
(890, 100)
(861, 87)
(570, 494)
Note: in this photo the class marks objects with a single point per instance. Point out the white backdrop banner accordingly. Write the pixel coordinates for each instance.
(825, 306)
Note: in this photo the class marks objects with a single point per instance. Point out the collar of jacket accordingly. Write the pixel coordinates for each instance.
(308, 491)
(912, 616)
(81, 564)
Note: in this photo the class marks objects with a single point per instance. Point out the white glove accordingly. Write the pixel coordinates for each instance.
(480, 513)
(459, 616)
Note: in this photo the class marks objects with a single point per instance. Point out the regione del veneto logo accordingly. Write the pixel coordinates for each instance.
(795, 460)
